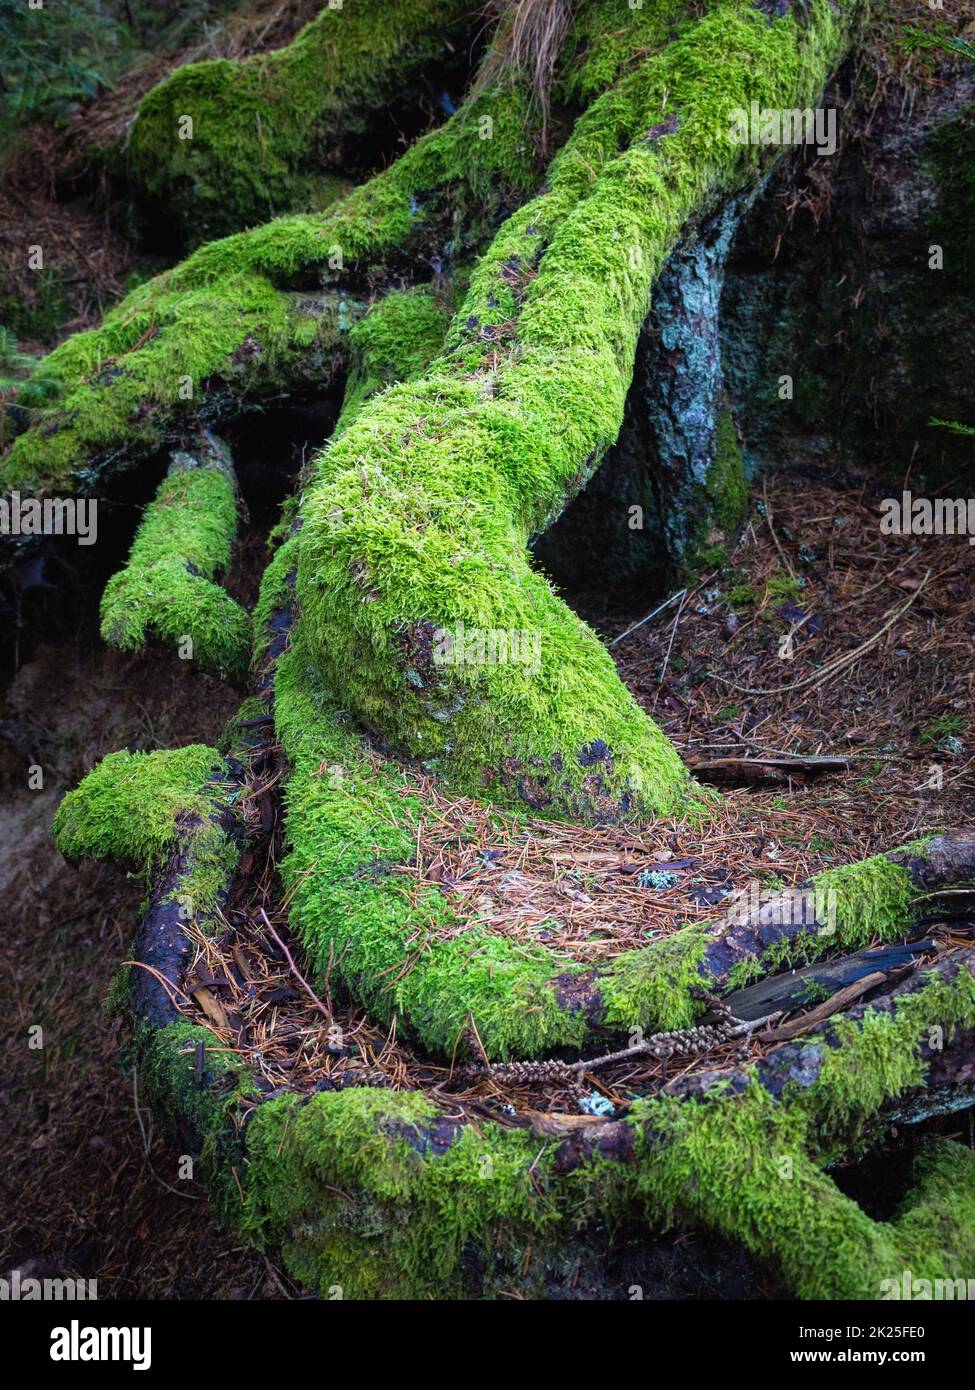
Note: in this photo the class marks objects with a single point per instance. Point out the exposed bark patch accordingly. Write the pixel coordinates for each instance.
(161, 941)
(426, 1139)
(580, 994)
(607, 1141)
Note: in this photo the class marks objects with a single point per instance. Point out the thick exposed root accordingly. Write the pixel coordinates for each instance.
(165, 590)
(413, 550)
(170, 355)
(225, 144)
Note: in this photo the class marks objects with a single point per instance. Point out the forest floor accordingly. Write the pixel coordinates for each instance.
(84, 1189)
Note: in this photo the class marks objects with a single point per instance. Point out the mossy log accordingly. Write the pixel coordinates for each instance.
(477, 406)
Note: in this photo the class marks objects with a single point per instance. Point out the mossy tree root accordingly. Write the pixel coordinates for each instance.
(169, 815)
(223, 144)
(166, 359)
(227, 326)
(380, 1194)
(183, 541)
(353, 819)
(413, 555)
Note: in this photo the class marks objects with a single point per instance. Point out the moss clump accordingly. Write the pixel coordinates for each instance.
(165, 590)
(886, 1058)
(418, 1193)
(721, 503)
(267, 128)
(946, 726)
(398, 338)
(856, 904)
(741, 596)
(783, 586)
(938, 1216)
(872, 899)
(131, 806)
(727, 486)
(659, 987)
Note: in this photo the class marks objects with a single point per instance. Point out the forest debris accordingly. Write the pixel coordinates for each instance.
(826, 1009)
(793, 988)
(761, 770)
(838, 663)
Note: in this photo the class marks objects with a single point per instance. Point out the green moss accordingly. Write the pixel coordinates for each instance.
(727, 485)
(657, 988)
(265, 129)
(945, 727)
(885, 1059)
(165, 590)
(872, 898)
(211, 856)
(749, 1165)
(859, 903)
(165, 600)
(607, 49)
(118, 996)
(937, 1217)
(783, 586)
(402, 1213)
(721, 503)
(194, 514)
(396, 340)
(276, 591)
(130, 806)
(712, 557)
